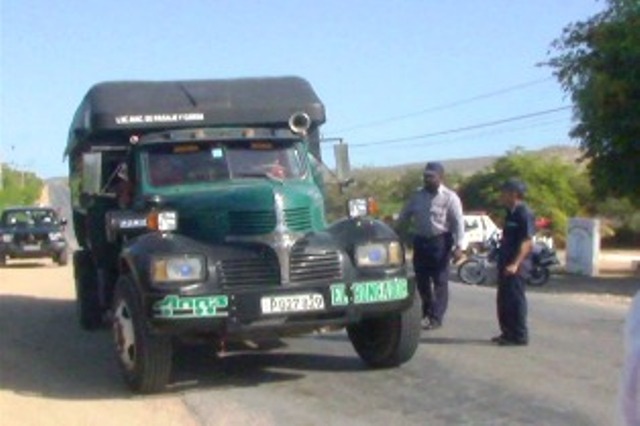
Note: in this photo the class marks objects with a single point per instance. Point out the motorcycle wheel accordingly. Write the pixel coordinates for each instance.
(472, 271)
(539, 276)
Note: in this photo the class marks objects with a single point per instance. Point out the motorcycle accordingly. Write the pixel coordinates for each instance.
(544, 258)
(475, 269)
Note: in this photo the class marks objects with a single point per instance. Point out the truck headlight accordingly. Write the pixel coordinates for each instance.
(379, 254)
(162, 221)
(55, 236)
(178, 268)
(7, 238)
(358, 207)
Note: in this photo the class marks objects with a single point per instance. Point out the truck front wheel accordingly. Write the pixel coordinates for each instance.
(144, 358)
(87, 299)
(390, 340)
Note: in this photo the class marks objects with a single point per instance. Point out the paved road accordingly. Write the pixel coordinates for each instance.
(53, 373)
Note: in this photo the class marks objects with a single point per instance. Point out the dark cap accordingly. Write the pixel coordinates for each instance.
(434, 168)
(515, 185)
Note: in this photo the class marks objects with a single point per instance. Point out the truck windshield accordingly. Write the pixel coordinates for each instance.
(211, 162)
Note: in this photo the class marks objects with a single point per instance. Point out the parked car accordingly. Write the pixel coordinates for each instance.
(32, 232)
(478, 228)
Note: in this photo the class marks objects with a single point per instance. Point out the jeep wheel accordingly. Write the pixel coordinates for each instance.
(61, 258)
(390, 340)
(3, 260)
(144, 358)
(87, 299)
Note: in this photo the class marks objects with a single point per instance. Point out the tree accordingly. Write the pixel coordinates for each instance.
(19, 187)
(597, 64)
(555, 188)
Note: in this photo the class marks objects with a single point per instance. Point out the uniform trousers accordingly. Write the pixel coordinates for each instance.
(512, 306)
(431, 257)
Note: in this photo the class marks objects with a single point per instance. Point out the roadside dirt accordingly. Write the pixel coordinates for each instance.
(53, 378)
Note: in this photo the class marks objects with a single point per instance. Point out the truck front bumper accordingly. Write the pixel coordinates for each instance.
(279, 310)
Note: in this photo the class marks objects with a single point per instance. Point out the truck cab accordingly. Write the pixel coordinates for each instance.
(199, 210)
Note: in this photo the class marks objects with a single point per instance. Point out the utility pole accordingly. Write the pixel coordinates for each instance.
(1, 177)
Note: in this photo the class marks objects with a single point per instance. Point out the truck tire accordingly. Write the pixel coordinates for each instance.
(144, 358)
(61, 258)
(390, 340)
(87, 298)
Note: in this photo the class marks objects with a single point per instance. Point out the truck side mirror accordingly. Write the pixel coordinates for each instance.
(91, 173)
(343, 166)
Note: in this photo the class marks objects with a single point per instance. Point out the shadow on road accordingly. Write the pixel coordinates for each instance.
(608, 283)
(44, 352)
(455, 341)
(616, 285)
(26, 265)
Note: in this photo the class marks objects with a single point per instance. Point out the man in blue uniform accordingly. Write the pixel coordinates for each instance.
(439, 226)
(514, 265)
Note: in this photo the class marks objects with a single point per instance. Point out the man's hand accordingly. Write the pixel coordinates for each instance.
(511, 269)
(457, 254)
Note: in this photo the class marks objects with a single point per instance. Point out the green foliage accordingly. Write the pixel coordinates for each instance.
(597, 63)
(556, 189)
(621, 221)
(19, 187)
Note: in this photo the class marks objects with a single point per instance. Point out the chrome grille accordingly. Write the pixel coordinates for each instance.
(252, 222)
(298, 219)
(314, 266)
(260, 271)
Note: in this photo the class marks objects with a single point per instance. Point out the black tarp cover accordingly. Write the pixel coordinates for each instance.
(150, 105)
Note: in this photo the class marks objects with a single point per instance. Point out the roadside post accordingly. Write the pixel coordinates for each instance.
(583, 246)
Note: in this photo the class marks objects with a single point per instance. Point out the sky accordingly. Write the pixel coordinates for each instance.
(402, 81)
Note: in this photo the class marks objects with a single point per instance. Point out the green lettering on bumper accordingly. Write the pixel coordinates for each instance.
(176, 307)
(370, 292)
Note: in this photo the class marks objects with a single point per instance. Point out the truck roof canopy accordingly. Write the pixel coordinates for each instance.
(156, 105)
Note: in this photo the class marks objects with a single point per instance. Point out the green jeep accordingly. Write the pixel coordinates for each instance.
(199, 210)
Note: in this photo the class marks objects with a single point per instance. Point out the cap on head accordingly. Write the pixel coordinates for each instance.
(515, 185)
(434, 168)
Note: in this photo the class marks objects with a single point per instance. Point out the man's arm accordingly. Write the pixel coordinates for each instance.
(457, 222)
(523, 251)
(527, 227)
(407, 211)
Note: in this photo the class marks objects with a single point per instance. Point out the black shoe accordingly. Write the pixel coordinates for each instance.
(497, 339)
(512, 342)
(430, 324)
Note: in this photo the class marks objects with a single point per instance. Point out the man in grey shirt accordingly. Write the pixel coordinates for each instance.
(439, 231)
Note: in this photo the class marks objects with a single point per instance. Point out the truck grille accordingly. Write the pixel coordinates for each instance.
(260, 271)
(252, 222)
(30, 238)
(317, 266)
(298, 219)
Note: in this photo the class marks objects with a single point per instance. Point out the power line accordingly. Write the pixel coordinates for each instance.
(465, 128)
(445, 106)
(466, 137)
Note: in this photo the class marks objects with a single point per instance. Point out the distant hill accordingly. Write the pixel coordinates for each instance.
(469, 166)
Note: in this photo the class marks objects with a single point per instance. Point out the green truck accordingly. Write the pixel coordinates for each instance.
(199, 211)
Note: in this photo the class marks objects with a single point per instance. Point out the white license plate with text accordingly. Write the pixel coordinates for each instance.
(31, 247)
(292, 303)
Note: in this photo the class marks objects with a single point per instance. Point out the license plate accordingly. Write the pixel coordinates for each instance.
(380, 291)
(31, 247)
(292, 303)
